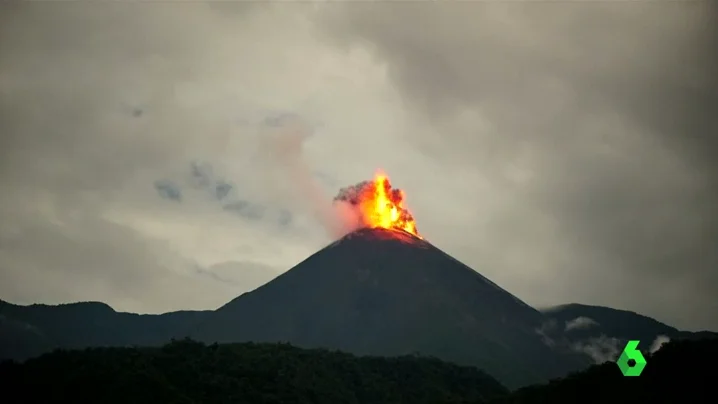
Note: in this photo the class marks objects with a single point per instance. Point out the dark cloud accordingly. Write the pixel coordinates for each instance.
(246, 209)
(203, 179)
(222, 189)
(202, 174)
(168, 190)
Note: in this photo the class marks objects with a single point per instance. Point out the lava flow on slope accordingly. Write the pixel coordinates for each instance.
(378, 205)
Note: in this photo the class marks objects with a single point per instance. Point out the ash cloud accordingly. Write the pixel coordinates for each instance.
(282, 140)
(284, 137)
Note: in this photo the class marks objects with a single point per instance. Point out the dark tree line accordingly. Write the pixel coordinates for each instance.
(680, 372)
(188, 372)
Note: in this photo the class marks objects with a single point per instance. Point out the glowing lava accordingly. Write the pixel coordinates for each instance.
(379, 205)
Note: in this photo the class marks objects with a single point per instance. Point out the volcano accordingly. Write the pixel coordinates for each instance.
(380, 291)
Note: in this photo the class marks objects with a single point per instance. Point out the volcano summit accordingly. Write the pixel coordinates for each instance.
(384, 290)
(375, 204)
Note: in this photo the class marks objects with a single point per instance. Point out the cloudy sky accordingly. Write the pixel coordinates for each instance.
(171, 155)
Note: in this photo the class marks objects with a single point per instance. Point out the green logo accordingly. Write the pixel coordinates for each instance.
(630, 352)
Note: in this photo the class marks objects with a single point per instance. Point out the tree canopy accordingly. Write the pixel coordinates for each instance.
(189, 372)
(186, 371)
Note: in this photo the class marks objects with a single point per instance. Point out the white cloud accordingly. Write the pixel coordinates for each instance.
(600, 349)
(579, 323)
(658, 343)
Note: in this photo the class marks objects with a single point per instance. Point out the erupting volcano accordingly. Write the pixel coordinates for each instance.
(381, 289)
(378, 205)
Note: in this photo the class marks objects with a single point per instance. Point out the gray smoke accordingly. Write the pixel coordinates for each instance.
(282, 140)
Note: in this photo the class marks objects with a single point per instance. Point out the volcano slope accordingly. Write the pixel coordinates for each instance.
(386, 292)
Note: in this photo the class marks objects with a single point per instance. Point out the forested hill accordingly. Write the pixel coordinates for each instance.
(680, 372)
(190, 372)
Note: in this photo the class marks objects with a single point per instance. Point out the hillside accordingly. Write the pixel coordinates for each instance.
(677, 373)
(583, 326)
(593, 320)
(374, 292)
(190, 372)
(28, 331)
(385, 292)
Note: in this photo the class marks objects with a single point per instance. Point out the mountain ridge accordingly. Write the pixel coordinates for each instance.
(373, 292)
(386, 292)
(611, 329)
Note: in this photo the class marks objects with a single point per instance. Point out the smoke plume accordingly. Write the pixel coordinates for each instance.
(283, 138)
(372, 203)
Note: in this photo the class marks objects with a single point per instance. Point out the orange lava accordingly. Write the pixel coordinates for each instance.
(382, 206)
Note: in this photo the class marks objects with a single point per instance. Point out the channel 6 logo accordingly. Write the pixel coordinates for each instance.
(631, 353)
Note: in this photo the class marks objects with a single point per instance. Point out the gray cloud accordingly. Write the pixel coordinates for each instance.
(78, 161)
(563, 150)
(247, 275)
(579, 323)
(601, 349)
(65, 256)
(592, 121)
(547, 331)
(246, 209)
(168, 190)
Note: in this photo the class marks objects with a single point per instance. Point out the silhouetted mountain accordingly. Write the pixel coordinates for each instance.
(678, 373)
(27, 331)
(583, 325)
(385, 292)
(374, 292)
(190, 372)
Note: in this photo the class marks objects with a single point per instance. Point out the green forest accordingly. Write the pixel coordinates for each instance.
(189, 372)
